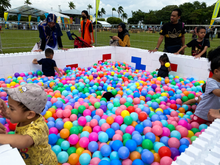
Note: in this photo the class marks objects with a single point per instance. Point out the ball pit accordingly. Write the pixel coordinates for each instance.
(146, 122)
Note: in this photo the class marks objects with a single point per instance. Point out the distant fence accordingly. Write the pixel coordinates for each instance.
(21, 37)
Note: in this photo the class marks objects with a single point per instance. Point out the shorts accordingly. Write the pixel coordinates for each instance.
(199, 120)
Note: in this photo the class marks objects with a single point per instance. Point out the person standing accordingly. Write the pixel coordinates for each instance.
(50, 34)
(173, 32)
(87, 28)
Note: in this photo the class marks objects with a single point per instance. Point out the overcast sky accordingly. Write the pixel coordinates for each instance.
(128, 5)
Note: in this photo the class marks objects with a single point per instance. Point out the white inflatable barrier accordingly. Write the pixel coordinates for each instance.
(204, 150)
(183, 66)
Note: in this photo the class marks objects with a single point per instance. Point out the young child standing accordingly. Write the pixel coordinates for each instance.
(163, 71)
(48, 64)
(200, 45)
(211, 96)
(31, 135)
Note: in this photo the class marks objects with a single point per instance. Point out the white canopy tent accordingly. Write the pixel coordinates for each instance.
(27, 10)
(217, 19)
(104, 24)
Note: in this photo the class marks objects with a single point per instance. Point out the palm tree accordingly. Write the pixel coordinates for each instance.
(120, 11)
(102, 11)
(113, 9)
(5, 4)
(89, 7)
(99, 14)
(27, 2)
(124, 16)
(71, 5)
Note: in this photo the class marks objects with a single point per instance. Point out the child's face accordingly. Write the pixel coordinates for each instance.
(16, 111)
(202, 33)
(217, 73)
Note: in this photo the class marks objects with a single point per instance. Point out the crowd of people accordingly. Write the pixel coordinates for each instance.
(27, 102)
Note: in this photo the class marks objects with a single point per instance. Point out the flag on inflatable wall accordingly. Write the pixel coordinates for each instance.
(97, 9)
(215, 12)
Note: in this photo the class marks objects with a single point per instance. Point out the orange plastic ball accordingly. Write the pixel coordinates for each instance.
(166, 81)
(134, 123)
(73, 159)
(182, 110)
(110, 120)
(120, 93)
(88, 152)
(156, 157)
(57, 95)
(135, 155)
(52, 110)
(186, 93)
(51, 84)
(88, 129)
(64, 133)
(142, 98)
(157, 139)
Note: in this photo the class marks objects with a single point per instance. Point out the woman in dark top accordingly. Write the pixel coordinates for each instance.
(123, 37)
(50, 34)
(163, 71)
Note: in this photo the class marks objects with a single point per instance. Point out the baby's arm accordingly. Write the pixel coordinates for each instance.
(35, 61)
(213, 114)
(17, 141)
(216, 92)
(57, 70)
(191, 101)
(181, 49)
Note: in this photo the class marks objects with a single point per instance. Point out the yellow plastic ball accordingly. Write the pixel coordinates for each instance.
(109, 88)
(137, 84)
(181, 114)
(176, 76)
(163, 94)
(8, 85)
(108, 142)
(20, 78)
(167, 64)
(125, 113)
(48, 114)
(159, 109)
(68, 125)
(151, 109)
(9, 77)
(72, 88)
(152, 151)
(159, 78)
(190, 134)
(12, 83)
(79, 150)
(112, 73)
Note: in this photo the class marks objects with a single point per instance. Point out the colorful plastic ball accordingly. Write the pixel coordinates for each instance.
(203, 126)
(167, 64)
(131, 145)
(123, 153)
(184, 141)
(82, 121)
(147, 144)
(73, 139)
(157, 146)
(175, 134)
(68, 125)
(166, 132)
(137, 138)
(166, 160)
(147, 157)
(84, 159)
(56, 149)
(65, 145)
(150, 136)
(62, 157)
(103, 137)
(142, 116)
(52, 139)
(164, 151)
(116, 145)
(106, 150)
(193, 138)
(64, 133)
(114, 155)
(95, 161)
(104, 162)
(115, 162)
(182, 148)
(84, 142)
(138, 162)
(73, 158)
(173, 142)
(157, 130)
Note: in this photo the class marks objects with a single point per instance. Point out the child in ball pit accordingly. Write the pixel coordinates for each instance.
(211, 96)
(31, 135)
(163, 71)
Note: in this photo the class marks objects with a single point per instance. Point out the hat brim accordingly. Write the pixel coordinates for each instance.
(12, 93)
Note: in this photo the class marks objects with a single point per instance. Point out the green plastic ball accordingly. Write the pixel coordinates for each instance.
(81, 108)
(171, 127)
(74, 130)
(195, 130)
(191, 96)
(193, 138)
(97, 105)
(147, 144)
(74, 111)
(126, 136)
(128, 120)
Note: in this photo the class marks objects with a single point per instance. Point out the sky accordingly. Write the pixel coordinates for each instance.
(128, 5)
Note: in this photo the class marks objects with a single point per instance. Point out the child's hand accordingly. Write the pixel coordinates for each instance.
(2, 129)
(198, 56)
(3, 108)
(176, 53)
(60, 75)
(157, 69)
(213, 114)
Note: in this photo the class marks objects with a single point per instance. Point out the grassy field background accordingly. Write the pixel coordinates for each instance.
(23, 40)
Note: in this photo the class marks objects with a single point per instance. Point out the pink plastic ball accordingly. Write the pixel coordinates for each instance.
(127, 162)
(59, 113)
(119, 132)
(119, 120)
(118, 111)
(84, 142)
(95, 161)
(73, 117)
(136, 101)
(147, 129)
(99, 112)
(93, 136)
(183, 123)
(66, 113)
(157, 130)
(73, 139)
(174, 123)
(97, 129)
(174, 142)
(183, 131)
(82, 121)
(87, 112)
(66, 164)
(66, 119)
(105, 126)
(195, 125)
(198, 133)
(166, 132)
(53, 130)
(117, 137)
(129, 129)
(166, 160)
(122, 100)
(174, 114)
(157, 123)
(93, 122)
(179, 101)
(189, 127)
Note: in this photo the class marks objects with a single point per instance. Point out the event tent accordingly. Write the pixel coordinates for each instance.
(217, 19)
(72, 12)
(30, 10)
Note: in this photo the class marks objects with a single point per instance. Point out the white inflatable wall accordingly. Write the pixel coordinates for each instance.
(183, 66)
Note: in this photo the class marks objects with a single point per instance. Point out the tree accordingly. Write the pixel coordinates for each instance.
(120, 11)
(27, 2)
(99, 14)
(114, 20)
(89, 7)
(137, 16)
(4, 4)
(103, 11)
(71, 5)
(124, 16)
(113, 9)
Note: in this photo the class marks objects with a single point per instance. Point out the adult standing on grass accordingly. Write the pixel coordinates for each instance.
(50, 34)
(173, 32)
(87, 28)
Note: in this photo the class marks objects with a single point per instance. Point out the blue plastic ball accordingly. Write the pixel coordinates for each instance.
(105, 150)
(104, 162)
(137, 162)
(93, 146)
(184, 141)
(137, 138)
(65, 145)
(147, 157)
(175, 134)
(84, 159)
(56, 149)
(182, 148)
(164, 140)
(139, 128)
(131, 145)
(110, 132)
(52, 139)
(150, 136)
(115, 162)
(103, 137)
(114, 155)
(116, 145)
(62, 157)
(203, 126)
(123, 152)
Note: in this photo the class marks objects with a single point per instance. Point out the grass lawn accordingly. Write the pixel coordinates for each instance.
(23, 40)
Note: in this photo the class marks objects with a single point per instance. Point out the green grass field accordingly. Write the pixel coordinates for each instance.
(23, 40)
